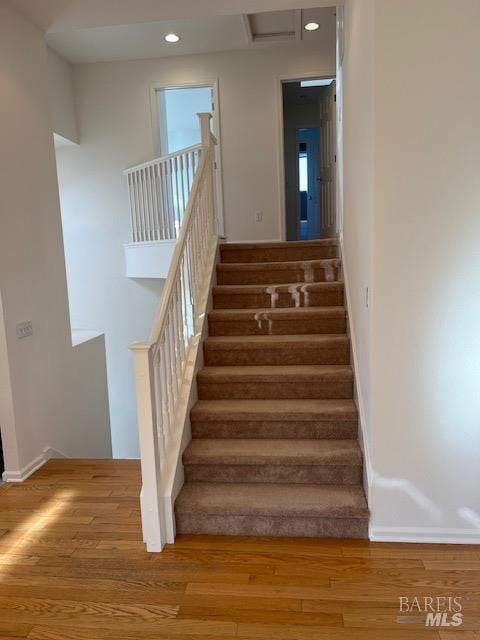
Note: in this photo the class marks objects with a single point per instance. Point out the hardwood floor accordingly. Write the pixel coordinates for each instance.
(73, 567)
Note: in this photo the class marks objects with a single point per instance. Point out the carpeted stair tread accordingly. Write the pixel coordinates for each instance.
(221, 451)
(272, 251)
(278, 500)
(291, 373)
(306, 271)
(284, 265)
(277, 349)
(278, 321)
(288, 313)
(295, 294)
(289, 410)
(297, 244)
(242, 289)
(229, 343)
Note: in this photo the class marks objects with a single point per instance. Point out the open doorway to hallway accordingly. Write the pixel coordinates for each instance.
(309, 158)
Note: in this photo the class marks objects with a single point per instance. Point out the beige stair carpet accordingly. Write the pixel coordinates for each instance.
(274, 447)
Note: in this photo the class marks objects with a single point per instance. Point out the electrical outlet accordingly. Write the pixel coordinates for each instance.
(24, 329)
(259, 216)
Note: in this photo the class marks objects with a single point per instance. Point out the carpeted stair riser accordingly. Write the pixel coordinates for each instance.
(290, 419)
(318, 294)
(337, 462)
(287, 526)
(298, 474)
(328, 389)
(307, 430)
(278, 273)
(334, 351)
(266, 323)
(278, 252)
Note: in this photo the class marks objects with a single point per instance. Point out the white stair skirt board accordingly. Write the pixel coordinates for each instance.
(149, 259)
(22, 474)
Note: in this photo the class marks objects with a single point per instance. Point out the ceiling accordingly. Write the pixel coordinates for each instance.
(66, 15)
(200, 35)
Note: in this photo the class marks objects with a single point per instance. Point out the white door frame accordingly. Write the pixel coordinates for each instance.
(282, 223)
(194, 84)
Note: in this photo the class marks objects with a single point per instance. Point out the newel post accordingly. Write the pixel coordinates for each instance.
(153, 519)
(208, 142)
(205, 135)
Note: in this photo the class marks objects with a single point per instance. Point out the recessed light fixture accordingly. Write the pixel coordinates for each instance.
(311, 26)
(172, 37)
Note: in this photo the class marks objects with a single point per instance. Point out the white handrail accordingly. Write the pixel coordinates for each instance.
(158, 194)
(161, 362)
(194, 147)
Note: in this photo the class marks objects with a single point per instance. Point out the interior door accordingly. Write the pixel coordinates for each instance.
(313, 201)
(328, 162)
(308, 143)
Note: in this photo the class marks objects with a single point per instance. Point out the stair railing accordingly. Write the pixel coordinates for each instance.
(160, 363)
(158, 193)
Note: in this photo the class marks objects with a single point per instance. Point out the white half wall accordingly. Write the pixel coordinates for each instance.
(421, 151)
(149, 259)
(45, 402)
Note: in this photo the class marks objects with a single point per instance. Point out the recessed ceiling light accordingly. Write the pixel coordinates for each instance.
(311, 26)
(172, 37)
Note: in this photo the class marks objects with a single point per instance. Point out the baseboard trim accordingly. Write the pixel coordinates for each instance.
(22, 474)
(436, 535)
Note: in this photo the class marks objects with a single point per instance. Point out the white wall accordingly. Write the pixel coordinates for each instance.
(32, 273)
(358, 196)
(95, 228)
(425, 314)
(116, 129)
(62, 103)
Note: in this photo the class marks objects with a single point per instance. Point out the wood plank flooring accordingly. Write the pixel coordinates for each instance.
(73, 567)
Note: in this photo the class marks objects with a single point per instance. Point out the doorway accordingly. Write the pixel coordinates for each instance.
(177, 108)
(309, 158)
(176, 124)
(308, 145)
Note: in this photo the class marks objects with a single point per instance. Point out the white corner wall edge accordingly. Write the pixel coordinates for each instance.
(22, 474)
(364, 444)
(437, 535)
(150, 259)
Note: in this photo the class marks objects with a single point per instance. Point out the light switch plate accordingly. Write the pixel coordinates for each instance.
(24, 329)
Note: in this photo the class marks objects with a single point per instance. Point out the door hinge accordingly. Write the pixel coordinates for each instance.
(335, 97)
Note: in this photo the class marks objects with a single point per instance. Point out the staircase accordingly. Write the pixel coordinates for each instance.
(274, 449)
